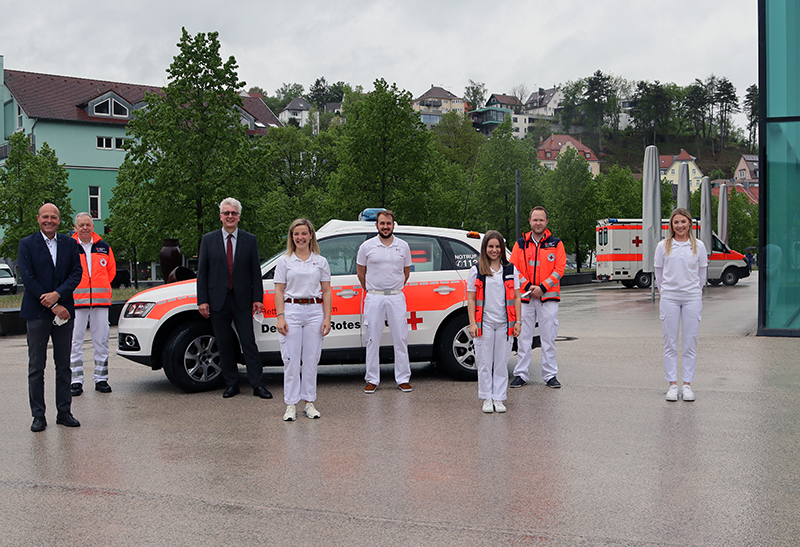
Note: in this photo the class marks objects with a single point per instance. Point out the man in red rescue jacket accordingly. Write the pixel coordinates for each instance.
(541, 260)
(92, 301)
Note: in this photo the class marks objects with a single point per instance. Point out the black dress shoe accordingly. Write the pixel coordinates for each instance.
(76, 389)
(39, 423)
(102, 387)
(67, 419)
(262, 392)
(230, 392)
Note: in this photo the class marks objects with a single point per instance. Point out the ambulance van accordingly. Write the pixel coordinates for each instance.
(619, 254)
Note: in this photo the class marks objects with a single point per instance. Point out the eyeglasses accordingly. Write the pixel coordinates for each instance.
(230, 213)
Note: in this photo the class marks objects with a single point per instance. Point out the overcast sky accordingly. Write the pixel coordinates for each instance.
(413, 43)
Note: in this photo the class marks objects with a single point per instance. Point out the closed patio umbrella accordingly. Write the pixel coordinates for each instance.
(651, 211)
(722, 214)
(706, 227)
(684, 192)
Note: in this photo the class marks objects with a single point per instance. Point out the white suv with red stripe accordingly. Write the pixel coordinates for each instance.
(161, 327)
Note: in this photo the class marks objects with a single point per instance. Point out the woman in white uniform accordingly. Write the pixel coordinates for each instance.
(493, 304)
(681, 267)
(303, 308)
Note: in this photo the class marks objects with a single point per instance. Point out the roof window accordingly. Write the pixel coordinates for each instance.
(111, 107)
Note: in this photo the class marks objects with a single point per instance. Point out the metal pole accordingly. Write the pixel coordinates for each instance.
(517, 206)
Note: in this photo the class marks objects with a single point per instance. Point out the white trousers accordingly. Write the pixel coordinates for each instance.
(97, 319)
(390, 308)
(677, 316)
(492, 352)
(546, 313)
(301, 345)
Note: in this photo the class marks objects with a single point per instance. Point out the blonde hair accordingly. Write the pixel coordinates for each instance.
(313, 245)
(484, 267)
(692, 239)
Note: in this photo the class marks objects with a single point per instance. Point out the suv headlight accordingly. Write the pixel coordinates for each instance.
(138, 309)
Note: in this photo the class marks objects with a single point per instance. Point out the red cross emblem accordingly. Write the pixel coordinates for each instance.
(637, 241)
(414, 320)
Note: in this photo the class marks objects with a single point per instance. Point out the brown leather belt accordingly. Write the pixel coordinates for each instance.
(304, 300)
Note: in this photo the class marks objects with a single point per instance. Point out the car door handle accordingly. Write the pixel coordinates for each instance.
(347, 293)
(444, 289)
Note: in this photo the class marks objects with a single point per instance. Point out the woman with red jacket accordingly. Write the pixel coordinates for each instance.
(92, 301)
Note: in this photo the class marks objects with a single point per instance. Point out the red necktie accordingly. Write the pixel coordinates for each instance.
(230, 261)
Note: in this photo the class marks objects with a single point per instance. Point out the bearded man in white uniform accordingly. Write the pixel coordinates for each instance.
(383, 266)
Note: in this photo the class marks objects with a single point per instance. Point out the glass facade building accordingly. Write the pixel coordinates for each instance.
(779, 135)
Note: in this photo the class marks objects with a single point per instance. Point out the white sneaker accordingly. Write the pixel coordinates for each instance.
(311, 412)
(672, 392)
(291, 413)
(499, 406)
(488, 407)
(688, 394)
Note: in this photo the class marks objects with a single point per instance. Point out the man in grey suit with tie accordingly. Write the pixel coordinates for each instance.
(229, 290)
(50, 268)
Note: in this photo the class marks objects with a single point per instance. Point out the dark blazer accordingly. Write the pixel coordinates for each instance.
(40, 276)
(212, 271)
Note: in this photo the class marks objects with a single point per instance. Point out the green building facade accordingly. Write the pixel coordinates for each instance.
(779, 135)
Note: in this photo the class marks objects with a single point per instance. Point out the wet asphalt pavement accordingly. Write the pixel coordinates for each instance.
(604, 461)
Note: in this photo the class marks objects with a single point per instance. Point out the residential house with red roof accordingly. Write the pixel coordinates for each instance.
(669, 166)
(435, 103)
(746, 171)
(550, 149)
(733, 186)
(84, 121)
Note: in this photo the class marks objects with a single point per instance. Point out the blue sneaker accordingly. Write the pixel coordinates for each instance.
(517, 382)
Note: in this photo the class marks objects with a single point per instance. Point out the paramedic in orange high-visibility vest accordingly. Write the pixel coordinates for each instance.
(92, 301)
(493, 306)
(541, 260)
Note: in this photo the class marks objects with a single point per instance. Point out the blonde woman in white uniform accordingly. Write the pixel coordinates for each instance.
(681, 267)
(303, 308)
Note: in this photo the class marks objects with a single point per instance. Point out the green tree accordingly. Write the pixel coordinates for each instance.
(27, 181)
(290, 172)
(318, 93)
(619, 194)
(383, 155)
(652, 108)
(571, 103)
(492, 197)
(597, 98)
(322, 93)
(456, 140)
(695, 105)
(571, 200)
(186, 144)
(727, 105)
(742, 219)
(475, 95)
(751, 110)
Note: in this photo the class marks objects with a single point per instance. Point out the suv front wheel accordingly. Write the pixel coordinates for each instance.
(191, 358)
(456, 350)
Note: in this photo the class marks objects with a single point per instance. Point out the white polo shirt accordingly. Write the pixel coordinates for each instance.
(302, 277)
(384, 264)
(680, 276)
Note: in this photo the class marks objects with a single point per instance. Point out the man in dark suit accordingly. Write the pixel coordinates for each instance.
(229, 290)
(50, 267)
